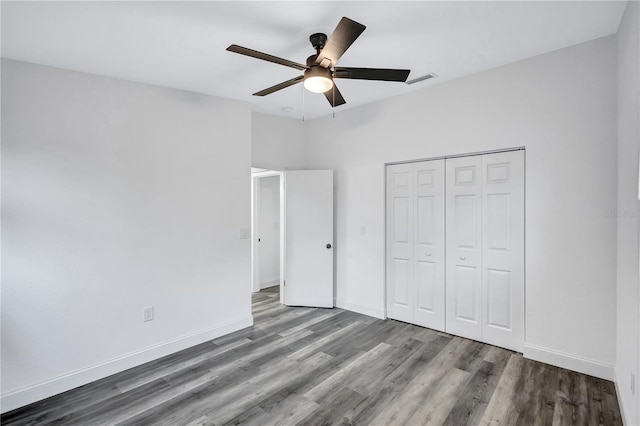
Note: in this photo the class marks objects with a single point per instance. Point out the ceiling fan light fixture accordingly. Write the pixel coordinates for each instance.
(318, 84)
(318, 79)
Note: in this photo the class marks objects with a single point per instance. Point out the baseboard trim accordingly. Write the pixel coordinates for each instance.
(570, 362)
(624, 409)
(29, 394)
(372, 311)
(621, 403)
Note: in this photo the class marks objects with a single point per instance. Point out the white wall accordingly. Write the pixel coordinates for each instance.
(116, 196)
(628, 306)
(269, 230)
(277, 143)
(562, 107)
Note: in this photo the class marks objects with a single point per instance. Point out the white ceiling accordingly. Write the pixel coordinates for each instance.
(182, 44)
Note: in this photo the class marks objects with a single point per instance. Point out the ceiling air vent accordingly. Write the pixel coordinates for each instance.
(422, 78)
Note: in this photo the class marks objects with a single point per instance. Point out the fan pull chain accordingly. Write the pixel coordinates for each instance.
(303, 104)
(333, 109)
(333, 104)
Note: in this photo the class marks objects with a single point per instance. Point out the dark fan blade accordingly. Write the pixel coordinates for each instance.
(334, 96)
(280, 86)
(339, 41)
(372, 74)
(265, 57)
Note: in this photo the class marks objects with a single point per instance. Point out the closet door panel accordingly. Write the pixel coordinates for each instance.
(466, 294)
(499, 303)
(429, 247)
(426, 283)
(400, 236)
(503, 249)
(464, 247)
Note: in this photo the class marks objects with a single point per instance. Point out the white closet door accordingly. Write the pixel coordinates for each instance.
(464, 247)
(429, 244)
(503, 249)
(464, 274)
(400, 242)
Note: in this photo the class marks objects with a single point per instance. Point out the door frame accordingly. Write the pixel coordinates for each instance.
(255, 197)
(386, 194)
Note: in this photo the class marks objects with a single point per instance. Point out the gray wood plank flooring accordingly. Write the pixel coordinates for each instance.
(329, 366)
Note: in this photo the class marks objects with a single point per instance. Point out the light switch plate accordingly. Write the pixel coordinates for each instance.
(147, 313)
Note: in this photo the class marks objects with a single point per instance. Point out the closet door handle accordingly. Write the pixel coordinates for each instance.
(428, 254)
(462, 258)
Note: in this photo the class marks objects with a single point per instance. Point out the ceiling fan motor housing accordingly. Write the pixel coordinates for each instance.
(311, 60)
(325, 63)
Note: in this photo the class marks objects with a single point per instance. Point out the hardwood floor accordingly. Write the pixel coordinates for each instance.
(330, 366)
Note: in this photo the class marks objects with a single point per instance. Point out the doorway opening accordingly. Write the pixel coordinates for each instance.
(292, 235)
(267, 187)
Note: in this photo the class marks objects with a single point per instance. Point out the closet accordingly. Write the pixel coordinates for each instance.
(455, 246)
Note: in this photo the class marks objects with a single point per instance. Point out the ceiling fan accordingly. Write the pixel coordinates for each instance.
(320, 70)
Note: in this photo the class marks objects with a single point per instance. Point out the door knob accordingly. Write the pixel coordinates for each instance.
(462, 258)
(328, 246)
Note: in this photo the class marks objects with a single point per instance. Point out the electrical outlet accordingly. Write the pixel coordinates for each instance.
(148, 313)
(632, 384)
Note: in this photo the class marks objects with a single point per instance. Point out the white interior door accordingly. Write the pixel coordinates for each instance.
(308, 279)
(400, 293)
(464, 247)
(429, 244)
(503, 249)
